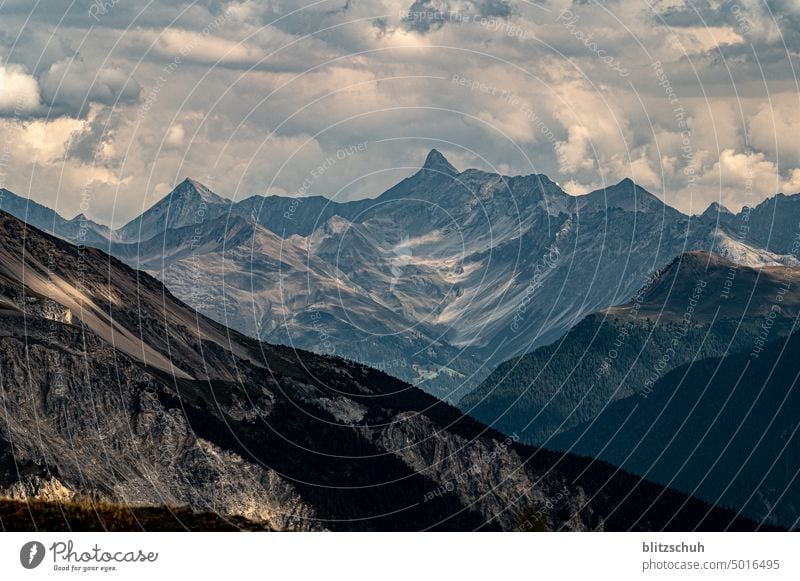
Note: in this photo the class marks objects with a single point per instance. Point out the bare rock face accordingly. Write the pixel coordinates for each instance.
(139, 400)
(102, 431)
(37, 488)
(13, 297)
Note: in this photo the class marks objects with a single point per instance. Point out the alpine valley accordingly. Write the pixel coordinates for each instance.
(148, 413)
(465, 351)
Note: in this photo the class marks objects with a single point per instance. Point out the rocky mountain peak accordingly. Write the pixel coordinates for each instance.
(190, 188)
(626, 195)
(189, 203)
(714, 209)
(436, 162)
(704, 276)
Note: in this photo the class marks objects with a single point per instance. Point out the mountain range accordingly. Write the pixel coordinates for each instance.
(79, 229)
(251, 359)
(117, 393)
(436, 281)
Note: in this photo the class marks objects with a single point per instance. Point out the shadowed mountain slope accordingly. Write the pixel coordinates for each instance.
(700, 305)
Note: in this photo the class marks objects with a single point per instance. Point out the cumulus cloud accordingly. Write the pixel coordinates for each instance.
(776, 128)
(93, 142)
(175, 136)
(642, 173)
(702, 39)
(19, 92)
(199, 47)
(575, 151)
(737, 168)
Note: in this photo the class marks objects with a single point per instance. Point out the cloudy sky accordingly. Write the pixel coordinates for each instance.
(105, 105)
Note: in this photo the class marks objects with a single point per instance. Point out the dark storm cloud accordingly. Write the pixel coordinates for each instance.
(787, 15)
(696, 13)
(70, 87)
(87, 144)
(761, 22)
(117, 14)
(34, 47)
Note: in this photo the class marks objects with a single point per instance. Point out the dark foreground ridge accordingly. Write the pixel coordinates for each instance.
(18, 515)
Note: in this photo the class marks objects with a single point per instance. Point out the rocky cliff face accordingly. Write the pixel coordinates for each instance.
(13, 297)
(140, 400)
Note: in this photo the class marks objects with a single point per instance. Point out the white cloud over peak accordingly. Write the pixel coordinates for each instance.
(19, 92)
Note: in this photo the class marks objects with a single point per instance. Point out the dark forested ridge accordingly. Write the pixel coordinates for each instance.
(724, 429)
(699, 306)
